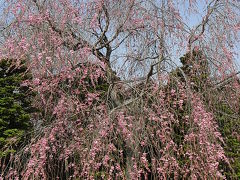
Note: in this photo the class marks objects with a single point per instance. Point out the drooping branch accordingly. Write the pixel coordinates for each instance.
(205, 20)
(225, 81)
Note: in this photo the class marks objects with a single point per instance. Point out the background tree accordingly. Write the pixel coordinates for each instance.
(15, 106)
(225, 117)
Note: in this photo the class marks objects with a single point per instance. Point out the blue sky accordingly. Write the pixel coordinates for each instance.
(192, 20)
(195, 19)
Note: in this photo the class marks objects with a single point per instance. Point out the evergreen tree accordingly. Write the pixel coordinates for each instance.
(196, 69)
(15, 106)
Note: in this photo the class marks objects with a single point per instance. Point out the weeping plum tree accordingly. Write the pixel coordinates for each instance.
(109, 106)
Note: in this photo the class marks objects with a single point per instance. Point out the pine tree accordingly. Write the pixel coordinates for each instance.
(15, 106)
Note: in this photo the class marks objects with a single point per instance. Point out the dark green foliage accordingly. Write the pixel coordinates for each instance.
(196, 69)
(15, 106)
(229, 128)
